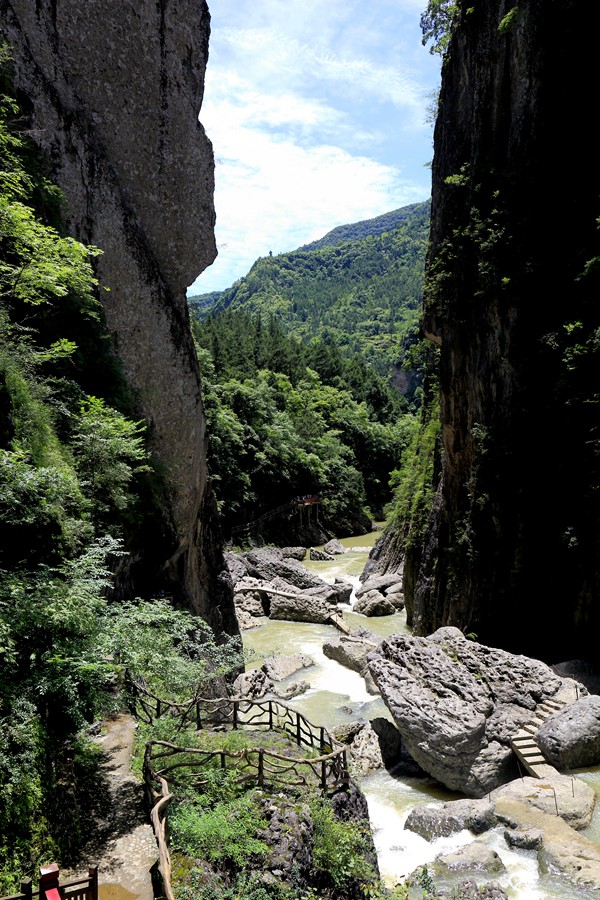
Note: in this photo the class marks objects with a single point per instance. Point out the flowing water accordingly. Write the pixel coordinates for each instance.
(337, 695)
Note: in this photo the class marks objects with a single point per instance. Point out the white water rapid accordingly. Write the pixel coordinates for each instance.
(338, 695)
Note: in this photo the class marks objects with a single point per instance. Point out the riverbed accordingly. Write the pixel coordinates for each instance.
(337, 695)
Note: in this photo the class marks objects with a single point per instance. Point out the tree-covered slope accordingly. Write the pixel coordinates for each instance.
(364, 292)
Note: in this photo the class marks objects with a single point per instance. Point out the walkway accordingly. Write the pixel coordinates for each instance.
(524, 744)
(122, 842)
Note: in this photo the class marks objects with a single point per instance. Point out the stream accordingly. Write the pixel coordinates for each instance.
(338, 695)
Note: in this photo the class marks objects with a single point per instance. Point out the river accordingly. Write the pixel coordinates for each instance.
(338, 695)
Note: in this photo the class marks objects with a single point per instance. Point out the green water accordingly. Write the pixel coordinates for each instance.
(338, 695)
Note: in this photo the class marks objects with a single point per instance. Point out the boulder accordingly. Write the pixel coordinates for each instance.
(570, 739)
(450, 818)
(294, 553)
(524, 838)
(396, 598)
(457, 704)
(301, 608)
(473, 857)
(560, 795)
(278, 668)
(293, 689)
(267, 563)
(373, 603)
(390, 742)
(343, 590)
(351, 650)
(289, 836)
(381, 583)
(334, 547)
(319, 555)
(252, 685)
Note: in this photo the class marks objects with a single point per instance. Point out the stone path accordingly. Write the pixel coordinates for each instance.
(524, 743)
(122, 842)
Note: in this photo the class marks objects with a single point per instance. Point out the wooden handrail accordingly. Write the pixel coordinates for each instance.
(329, 770)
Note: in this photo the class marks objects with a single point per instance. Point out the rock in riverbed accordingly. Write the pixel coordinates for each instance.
(457, 704)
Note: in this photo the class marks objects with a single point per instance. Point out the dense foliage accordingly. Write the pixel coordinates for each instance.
(288, 420)
(363, 294)
(72, 466)
(311, 378)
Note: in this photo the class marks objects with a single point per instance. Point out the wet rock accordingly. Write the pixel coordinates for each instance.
(390, 741)
(294, 689)
(343, 590)
(351, 650)
(301, 608)
(334, 547)
(278, 668)
(320, 555)
(570, 739)
(432, 823)
(474, 857)
(560, 795)
(294, 553)
(457, 703)
(373, 603)
(523, 838)
(470, 890)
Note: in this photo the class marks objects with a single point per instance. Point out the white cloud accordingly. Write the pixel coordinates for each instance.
(316, 111)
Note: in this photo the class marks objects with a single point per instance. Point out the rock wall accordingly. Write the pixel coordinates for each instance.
(114, 89)
(512, 547)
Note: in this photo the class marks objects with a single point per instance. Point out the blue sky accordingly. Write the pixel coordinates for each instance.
(317, 111)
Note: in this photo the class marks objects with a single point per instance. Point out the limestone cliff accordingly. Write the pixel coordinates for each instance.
(512, 547)
(114, 89)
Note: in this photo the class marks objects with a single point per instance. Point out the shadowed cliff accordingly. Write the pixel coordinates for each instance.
(511, 550)
(114, 88)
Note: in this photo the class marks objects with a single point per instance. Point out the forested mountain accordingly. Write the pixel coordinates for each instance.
(362, 292)
(298, 407)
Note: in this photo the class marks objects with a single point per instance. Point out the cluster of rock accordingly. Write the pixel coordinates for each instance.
(267, 680)
(536, 815)
(458, 704)
(272, 582)
(380, 595)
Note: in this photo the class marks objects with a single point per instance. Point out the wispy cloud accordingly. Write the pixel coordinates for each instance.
(308, 105)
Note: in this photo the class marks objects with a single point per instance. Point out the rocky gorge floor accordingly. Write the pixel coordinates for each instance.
(454, 705)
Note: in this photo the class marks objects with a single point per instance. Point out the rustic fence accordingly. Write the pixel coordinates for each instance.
(166, 764)
(84, 888)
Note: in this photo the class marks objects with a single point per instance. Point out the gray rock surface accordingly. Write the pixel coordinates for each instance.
(114, 95)
(278, 668)
(302, 608)
(252, 685)
(294, 553)
(268, 563)
(334, 547)
(373, 603)
(320, 555)
(474, 857)
(456, 704)
(570, 739)
(435, 822)
(351, 650)
(392, 581)
(290, 838)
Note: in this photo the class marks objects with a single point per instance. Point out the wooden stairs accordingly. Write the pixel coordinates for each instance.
(525, 746)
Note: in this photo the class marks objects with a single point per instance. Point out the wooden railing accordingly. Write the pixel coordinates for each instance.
(327, 769)
(84, 888)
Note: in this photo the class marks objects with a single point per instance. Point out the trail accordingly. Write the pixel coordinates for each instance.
(122, 842)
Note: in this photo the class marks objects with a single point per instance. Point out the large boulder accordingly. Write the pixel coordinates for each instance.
(278, 668)
(457, 704)
(432, 823)
(392, 582)
(302, 607)
(351, 650)
(570, 739)
(268, 563)
(373, 603)
(334, 547)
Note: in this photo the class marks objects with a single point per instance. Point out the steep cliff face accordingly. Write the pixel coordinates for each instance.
(512, 548)
(114, 89)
